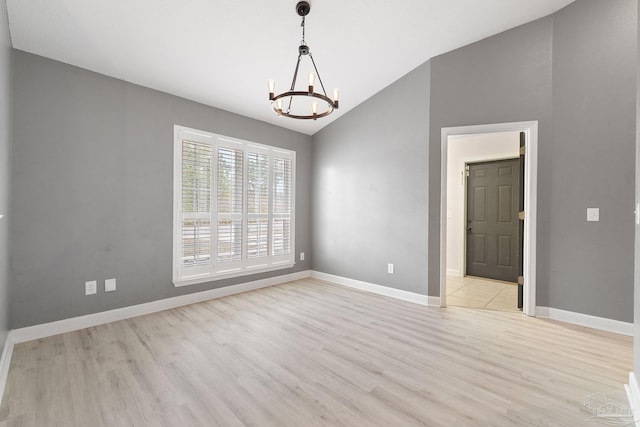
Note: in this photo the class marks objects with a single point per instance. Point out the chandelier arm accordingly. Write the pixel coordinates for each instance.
(295, 73)
(293, 81)
(317, 74)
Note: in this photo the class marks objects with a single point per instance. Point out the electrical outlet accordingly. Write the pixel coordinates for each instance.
(593, 214)
(390, 268)
(110, 285)
(90, 288)
(301, 256)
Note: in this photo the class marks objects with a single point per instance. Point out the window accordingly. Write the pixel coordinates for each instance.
(233, 207)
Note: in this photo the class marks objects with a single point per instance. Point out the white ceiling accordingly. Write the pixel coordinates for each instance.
(223, 52)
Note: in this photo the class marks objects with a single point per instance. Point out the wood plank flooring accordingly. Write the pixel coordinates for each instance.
(309, 353)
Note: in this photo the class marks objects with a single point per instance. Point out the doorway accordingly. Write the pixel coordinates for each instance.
(456, 247)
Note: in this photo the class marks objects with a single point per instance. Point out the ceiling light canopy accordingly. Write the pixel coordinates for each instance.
(303, 104)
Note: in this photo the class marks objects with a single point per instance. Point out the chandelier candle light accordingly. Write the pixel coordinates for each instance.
(302, 106)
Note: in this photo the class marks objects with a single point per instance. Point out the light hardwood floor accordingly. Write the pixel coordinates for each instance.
(309, 353)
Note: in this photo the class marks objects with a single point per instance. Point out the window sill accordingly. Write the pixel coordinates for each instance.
(205, 278)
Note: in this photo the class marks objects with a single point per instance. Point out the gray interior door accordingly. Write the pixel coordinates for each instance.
(492, 219)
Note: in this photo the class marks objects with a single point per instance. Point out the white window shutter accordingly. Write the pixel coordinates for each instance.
(196, 205)
(233, 207)
(281, 226)
(230, 204)
(257, 205)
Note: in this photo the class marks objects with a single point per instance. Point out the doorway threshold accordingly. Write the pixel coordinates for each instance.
(479, 292)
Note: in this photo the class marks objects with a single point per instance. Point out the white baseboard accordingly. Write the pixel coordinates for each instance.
(633, 394)
(454, 273)
(377, 289)
(5, 362)
(587, 320)
(75, 323)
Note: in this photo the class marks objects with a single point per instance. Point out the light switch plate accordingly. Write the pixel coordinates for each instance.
(110, 285)
(593, 214)
(390, 268)
(301, 256)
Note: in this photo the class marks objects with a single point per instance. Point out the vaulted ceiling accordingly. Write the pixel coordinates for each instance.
(223, 52)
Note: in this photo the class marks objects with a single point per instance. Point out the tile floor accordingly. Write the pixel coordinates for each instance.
(477, 292)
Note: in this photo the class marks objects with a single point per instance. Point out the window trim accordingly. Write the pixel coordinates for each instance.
(216, 140)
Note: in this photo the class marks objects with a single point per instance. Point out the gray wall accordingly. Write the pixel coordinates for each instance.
(636, 294)
(92, 189)
(588, 267)
(370, 189)
(573, 72)
(5, 172)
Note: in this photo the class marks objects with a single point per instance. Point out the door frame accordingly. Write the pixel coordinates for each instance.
(530, 130)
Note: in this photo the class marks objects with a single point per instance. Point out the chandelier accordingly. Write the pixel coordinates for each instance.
(303, 104)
